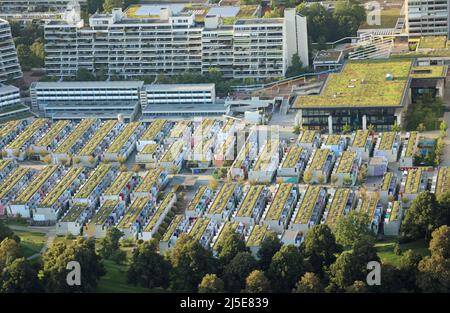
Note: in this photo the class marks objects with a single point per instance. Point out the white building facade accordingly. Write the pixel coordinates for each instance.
(9, 63)
(173, 44)
(427, 17)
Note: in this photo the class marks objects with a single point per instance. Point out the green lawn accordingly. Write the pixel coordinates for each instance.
(115, 280)
(31, 242)
(386, 253)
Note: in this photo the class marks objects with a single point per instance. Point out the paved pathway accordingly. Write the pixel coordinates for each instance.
(49, 231)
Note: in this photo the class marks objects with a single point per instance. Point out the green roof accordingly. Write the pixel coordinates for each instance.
(433, 42)
(429, 71)
(362, 84)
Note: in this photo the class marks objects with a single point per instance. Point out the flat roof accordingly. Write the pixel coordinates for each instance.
(328, 56)
(178, 87)
(7, 88)
(362, 84)
(88, 84)
(180, 107)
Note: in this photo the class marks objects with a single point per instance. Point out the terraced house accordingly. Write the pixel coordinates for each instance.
(149, 39)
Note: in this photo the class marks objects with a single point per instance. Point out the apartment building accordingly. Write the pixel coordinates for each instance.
(76, 100)
(9, 64)
(127, 45)
(24, 6)
(10, 102)
(427, 17)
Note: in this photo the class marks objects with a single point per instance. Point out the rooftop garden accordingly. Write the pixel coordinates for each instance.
(433, 71)
(74, 212)
(433, 42)
(94, 179)
(197, 197)
(179, 128)
(386, 180)
(155, 128)
(337, 205)
(245, 12)
(443, 180)
(104, 212)
(172, 227)
(362, 84)
(319, 159)
(199, 228)
(54, 131)
(204, 128)
(173, 152)
(90, 146)
(27, 133)
(307, 136)
(369, 205)
(81, 128)
(132, 214)
(257, 235)
(292, 157)
(12, 180)
(250, 199)
(149, 149)
(346, 162)
(63, 185)
(410, 147)
(120, 141)
(307, 205)
(360, 138)
(4, 163)
(34, 185)
(222, 198)
(243, 154)
(8, 127)
(387, 140)
(119, 183)
(392, 213)
(224, 146)
(413, 180)
(150, 179)
(159, 212)
(332, 140)
(270, 149)
(279, 202)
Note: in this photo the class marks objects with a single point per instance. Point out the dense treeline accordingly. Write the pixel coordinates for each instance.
(327, 261)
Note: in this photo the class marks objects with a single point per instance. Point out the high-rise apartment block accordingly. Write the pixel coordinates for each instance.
(427, 17)
(175, 41)
(9, 64)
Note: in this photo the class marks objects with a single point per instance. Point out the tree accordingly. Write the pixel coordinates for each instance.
(395, 127)
(433, 274)
(257, 282)
(109, 244)
(307, 176)
(38, 52)
(421, 127)
(346, 129)
(108, 5)
(19, 277)
(309, 283)
(286, 268)
(348, 16)
(443, 199)
(211, 284)
(443, 126)
(147, 267)
(345, 271)
(190, 262)
(6, 232)
(9, 251)
(422, 217)
(269, 246)
(56, 258)
(407, 267)
(357, 287)
(84, 74)
(320, 247)
(25, 57)
(94, 6)
(296, 68)
(351, 228)
(440, 242)
(232, 245)
(236, 271)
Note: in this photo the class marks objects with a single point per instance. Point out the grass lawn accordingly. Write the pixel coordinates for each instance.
(386, 253)
(15, 221)
(115, 280)
(31, 242)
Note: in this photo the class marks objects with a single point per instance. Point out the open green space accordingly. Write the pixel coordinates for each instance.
(31, 242)
(385, 249)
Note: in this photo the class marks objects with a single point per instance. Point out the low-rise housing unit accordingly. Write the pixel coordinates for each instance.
(251, 208)
(120, 188)
(319, 166)
(293, 164)
(132, 222)
(225, 202)
(388, 189)
(203, 230)
(362, 143)
(388, 146)
(265, 166)
(393, 219)
(105, 217)
(414, 181)
(340, 203)
(345, 172)
(409, 149)
(279, 211)
(153, 181)
(179, 225)
(309, 209)
(255, 237)
(309, 139)
(441, 181)
(370, 204)
(73, 220)
(158, 216)
(336, 143)
(199, 202)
